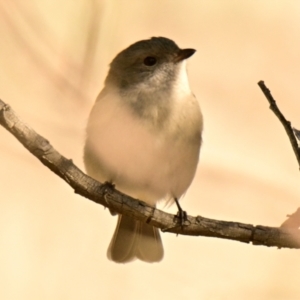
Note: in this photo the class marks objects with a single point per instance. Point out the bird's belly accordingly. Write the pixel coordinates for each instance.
(142, 164)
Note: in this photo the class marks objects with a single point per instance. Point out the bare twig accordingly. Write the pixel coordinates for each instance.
(285, 123)
(123, 204)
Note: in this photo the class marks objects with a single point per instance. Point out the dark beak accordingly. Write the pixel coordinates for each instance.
(184, 54)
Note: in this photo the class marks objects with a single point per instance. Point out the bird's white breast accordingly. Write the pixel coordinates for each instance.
(144, 163)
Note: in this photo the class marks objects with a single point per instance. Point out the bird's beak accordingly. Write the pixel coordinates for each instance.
(184, 54)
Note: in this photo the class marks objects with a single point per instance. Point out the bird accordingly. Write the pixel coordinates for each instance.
(144, 135)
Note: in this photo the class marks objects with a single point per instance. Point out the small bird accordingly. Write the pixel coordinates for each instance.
(144, 136)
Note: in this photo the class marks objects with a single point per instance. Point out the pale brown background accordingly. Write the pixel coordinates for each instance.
(53, 59)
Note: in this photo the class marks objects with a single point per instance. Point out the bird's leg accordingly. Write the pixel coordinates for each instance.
(106, 186)
(181, 214)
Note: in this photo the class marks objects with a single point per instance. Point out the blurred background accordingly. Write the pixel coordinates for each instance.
(54, 57)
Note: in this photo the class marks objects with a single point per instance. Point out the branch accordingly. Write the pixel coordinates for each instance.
(105, 195)
(285, 123)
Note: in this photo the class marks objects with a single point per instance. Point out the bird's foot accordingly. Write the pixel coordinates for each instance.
(181, 214)
(106, 187)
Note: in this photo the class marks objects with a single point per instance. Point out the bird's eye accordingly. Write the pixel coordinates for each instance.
(150, 61)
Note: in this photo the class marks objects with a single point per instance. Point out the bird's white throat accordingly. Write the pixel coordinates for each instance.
(181, 87)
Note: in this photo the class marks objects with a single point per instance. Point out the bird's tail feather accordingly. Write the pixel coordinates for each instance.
(134, 239)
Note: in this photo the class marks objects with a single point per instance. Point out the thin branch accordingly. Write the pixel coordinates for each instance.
(285, 123)
(123, 204)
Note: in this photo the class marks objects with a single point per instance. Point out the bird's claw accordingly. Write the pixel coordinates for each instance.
(181, 214)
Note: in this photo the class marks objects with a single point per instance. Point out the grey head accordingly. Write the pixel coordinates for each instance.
(145, 73)
(151, 60)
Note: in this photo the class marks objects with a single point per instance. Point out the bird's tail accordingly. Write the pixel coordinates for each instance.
(134, 239)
